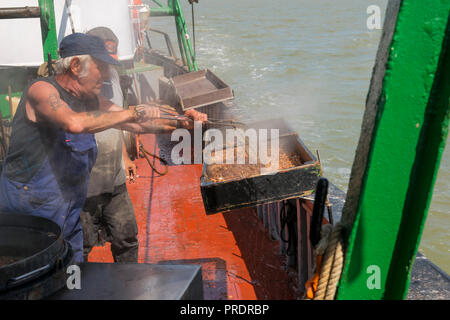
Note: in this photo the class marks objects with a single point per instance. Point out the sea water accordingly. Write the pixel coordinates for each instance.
(310, 62)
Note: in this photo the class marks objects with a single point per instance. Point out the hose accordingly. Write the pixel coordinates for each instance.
(146, 155)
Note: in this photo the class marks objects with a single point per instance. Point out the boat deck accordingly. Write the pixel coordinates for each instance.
(238, 258)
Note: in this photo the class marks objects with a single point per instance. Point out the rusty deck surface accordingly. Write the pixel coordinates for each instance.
(238, 258)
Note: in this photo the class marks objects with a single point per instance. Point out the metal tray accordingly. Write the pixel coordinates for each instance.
(200, 88)
(239, 192)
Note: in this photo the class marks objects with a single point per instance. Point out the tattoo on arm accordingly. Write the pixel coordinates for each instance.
(54, 101)
(95, 113)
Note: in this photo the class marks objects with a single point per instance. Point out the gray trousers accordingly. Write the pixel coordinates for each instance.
(110, 217)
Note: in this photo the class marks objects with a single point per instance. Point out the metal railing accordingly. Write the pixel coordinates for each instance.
(170, 49)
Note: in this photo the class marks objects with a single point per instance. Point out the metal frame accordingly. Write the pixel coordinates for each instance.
(45, 11)
(170, 49)
(173, 8)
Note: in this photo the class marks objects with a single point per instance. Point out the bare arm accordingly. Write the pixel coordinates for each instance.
(151, 125)
(45, 105)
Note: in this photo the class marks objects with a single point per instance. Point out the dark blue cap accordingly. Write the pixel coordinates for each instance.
(80, 43)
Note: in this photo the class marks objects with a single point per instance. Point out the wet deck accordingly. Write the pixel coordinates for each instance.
(238, 258)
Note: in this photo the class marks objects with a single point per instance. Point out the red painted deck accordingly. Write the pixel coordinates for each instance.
(239, 260)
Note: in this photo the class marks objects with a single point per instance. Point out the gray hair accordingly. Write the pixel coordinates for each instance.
(62, 65)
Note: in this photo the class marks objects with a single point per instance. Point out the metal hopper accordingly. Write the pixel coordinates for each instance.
(200, 88)
(231, 186)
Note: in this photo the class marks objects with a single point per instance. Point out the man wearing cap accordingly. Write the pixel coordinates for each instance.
(52, 147)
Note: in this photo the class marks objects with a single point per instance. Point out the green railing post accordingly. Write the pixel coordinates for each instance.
(181, 23)
(48, 29)
(402, 139)
(161, 12)
(180, 36)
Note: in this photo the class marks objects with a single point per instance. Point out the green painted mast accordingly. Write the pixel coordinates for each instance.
(403, 136)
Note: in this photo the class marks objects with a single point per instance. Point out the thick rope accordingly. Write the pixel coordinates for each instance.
(332, 263)
(325, 233)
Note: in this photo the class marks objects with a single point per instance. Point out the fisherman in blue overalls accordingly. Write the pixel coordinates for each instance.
(52, 148)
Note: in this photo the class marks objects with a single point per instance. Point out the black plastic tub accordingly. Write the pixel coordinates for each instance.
(33, 256)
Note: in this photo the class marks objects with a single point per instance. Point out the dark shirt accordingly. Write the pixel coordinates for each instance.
(30, 142)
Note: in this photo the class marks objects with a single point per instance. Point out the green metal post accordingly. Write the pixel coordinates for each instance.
(180, 36)
(182, 39)
(161, 12)
(181, 47)
(185, 37)
(403, 137)
(48, 29)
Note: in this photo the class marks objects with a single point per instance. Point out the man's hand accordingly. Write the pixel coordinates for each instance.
(194, 115)
(151, 112)
(154, 124)
(130, 169)
(144, 112)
